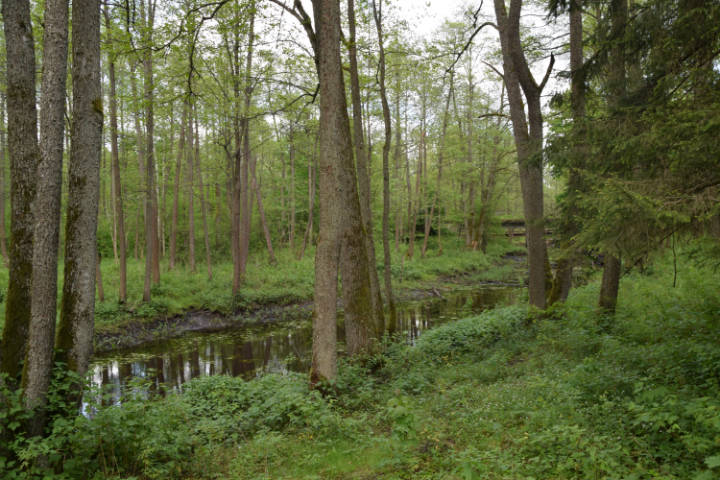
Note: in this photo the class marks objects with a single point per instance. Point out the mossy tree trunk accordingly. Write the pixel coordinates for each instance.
(361, 160)
(38, 362)
(176, 188)
(115, 159)
(24, 157)
(190, 191)
(75, 335)
(3, 158)
(377, 14)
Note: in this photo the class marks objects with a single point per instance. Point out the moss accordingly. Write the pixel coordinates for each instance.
(98, 105)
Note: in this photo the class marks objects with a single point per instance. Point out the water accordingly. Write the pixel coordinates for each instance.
(249, 352)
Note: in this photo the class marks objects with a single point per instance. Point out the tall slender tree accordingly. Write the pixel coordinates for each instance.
(75, 330)
(617, 78)
(24, 153)
(528, 133)
(115, 159)
(38, 362)
(3, 161)
(363, 174)
(377, 14)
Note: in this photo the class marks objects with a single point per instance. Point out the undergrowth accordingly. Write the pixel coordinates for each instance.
(509, 394)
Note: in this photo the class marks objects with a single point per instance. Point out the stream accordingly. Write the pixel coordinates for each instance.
(253, 351)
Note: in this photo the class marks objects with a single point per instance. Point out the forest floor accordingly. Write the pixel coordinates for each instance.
(508, 394)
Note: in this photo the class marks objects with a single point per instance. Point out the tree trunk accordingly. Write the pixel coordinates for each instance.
(617, 77)
(43, 299)
(335, 154)
(291, 236)
(312, 180)
(261, 212)
(236, 159)
(98, 279)
(176, 188)
(75, 335)
(413, 206)
(396, 158)
(528, 141)
(361, 160)
(408, 185)
(119, 211)
(563, 275)
(152, 252)
(245, 172)
(441, 152)
(203, 203)
(3, 160)
(190, 192)
(24, 157)
(377, 13)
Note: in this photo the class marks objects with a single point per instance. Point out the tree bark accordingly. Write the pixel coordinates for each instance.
(75, 332)
(3, 161)
(441, 152)
(528, 141)
(43, 299)
(261, 212)
(312, 180)
(119, 211)
(176, 188)
(189, 154)
(617, 76)
(245, 172)
(335, 156)
(152, 252)
(236, 157)
(563, 275)
(361, 160)
(377, 13)
(397, 152)
(99, 280)
(203, 202)
(291, 154)
(24, 157)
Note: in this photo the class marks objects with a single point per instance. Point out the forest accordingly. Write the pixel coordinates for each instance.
(254, 239)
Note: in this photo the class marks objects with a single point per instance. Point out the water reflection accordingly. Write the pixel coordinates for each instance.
(255, 351)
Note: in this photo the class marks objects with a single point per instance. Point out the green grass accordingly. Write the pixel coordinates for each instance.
(508, 394)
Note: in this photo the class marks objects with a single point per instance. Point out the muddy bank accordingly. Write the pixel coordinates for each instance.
(143, 331)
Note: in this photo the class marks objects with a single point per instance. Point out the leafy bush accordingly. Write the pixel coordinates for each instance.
(231, 407)
(469, 335)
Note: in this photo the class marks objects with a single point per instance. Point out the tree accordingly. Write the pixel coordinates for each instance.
(75, 330)
(377, 14)
(24, 155)
(528, 133)
(43, 300)
(361, 161)
(3, 161)
(152, 250)
(115, 159)
(568, 227)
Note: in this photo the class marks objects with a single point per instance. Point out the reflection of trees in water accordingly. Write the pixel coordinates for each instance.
(270, 351)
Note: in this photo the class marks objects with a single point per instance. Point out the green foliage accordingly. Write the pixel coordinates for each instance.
(503, 395)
